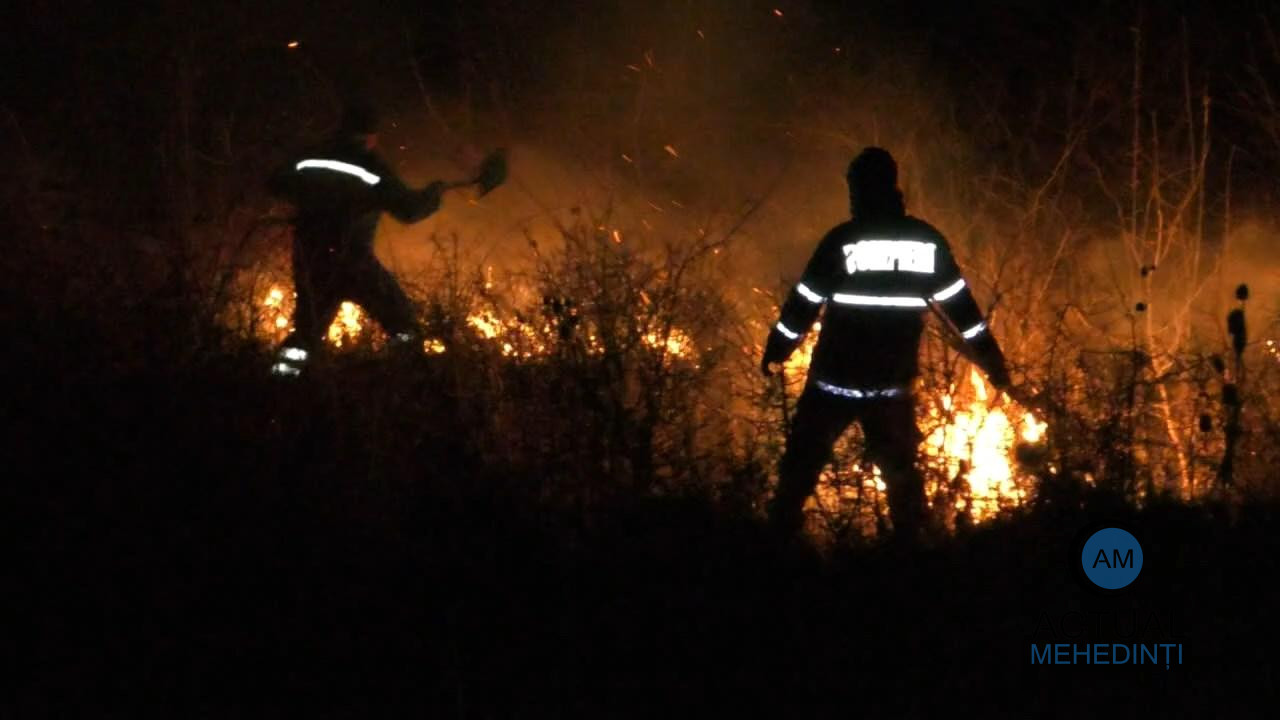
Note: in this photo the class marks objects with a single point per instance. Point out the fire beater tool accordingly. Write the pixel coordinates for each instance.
(492, 173)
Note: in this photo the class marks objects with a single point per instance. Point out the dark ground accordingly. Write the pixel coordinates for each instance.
(219, 547)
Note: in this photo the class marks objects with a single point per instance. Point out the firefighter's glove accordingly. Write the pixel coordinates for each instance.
(776, 349)
(764, 367)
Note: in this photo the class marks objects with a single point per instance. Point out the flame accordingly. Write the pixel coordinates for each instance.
(675, 342)
(974, 433)
(800, 357)
(346, 329)
(978, 440)
(517, 339)
(514, 337)
(276, 313)
(1032, 429)
(489, 325)
(347, 325)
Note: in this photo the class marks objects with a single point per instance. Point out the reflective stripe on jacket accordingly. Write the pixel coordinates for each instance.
(875, 279)
(339, 190)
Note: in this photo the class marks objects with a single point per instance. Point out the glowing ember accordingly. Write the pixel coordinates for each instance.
(675, 343)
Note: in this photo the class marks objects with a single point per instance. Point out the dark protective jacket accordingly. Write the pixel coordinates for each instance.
(876, 278)
(338, 191)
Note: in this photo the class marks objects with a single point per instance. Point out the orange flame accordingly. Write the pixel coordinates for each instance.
(973, 433)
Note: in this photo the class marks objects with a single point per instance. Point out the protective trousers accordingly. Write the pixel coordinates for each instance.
(323, 284)
(892, 438)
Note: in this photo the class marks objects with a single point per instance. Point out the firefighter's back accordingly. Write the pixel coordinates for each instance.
(332, 188)
(878, 272)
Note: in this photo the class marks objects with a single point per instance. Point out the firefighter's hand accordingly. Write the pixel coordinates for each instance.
(765, 367)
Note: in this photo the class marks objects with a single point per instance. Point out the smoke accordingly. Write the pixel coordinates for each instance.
(677, 120)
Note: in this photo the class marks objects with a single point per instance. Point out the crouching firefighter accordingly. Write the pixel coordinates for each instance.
(339, 190)
(876, 275)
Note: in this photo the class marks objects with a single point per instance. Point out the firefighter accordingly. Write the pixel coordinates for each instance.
(876, 275)
(339, 190)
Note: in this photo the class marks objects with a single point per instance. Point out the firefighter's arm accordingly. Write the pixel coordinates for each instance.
(798, 313)
(955, 300)
(399, 200)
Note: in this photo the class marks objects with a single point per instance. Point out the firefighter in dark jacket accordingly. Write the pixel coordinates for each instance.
(339, 190)
(877, 276)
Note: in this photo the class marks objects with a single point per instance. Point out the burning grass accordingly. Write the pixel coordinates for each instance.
(970, 451)
(972, 432)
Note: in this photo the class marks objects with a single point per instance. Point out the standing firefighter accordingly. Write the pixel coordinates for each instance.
(877, 275)
(339, 191)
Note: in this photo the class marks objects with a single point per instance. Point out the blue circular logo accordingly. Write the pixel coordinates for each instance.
(1112, 558)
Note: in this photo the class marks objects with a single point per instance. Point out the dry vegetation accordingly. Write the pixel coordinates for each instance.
(601, 314)
(573, 467)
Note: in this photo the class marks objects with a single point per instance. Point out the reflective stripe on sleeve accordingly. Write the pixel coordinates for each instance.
(949, 291)
(339, 166)
(808, 294)
(788, 332)
(879, 300)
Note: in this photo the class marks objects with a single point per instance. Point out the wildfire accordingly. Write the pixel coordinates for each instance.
(976, 440)
(675, 342)
(515, 338)
(347, 325)
(798, 363)
(973, 438)
(277, 314)
(970, 433)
